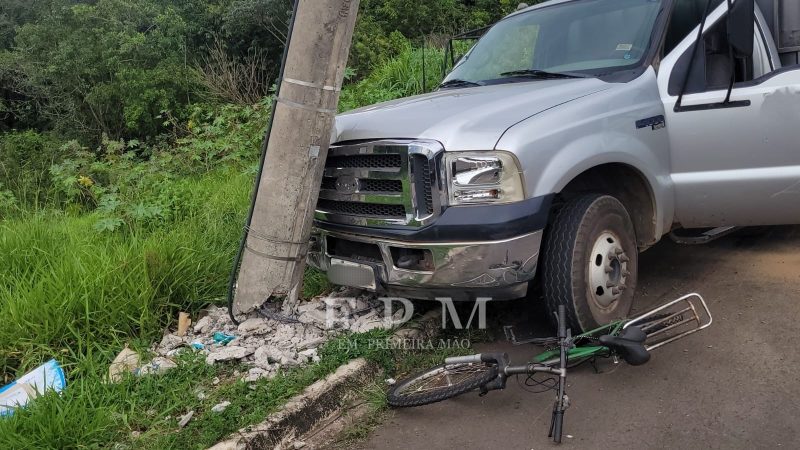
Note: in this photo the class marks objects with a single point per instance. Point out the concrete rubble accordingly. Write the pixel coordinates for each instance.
(268, 342)
(184, 419)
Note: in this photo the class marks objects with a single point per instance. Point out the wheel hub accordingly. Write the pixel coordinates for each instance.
(608, 270)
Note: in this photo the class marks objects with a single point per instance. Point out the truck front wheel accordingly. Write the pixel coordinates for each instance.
(589, 257)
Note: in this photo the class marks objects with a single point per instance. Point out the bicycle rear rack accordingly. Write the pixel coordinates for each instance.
(674, 320)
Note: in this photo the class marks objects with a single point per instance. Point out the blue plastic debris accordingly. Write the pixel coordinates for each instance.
(45, 378)
(222, 338)
(198, 345)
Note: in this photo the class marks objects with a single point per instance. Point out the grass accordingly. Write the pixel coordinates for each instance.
(71, 293)
(399, 77)
(143, 412)
(405, 363)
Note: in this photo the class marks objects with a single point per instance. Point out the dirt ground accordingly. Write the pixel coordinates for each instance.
(734, 385)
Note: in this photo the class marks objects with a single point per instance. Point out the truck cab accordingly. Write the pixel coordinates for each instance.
(572, 136)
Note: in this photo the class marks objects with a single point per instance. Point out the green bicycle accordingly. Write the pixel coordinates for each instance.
(629, 339)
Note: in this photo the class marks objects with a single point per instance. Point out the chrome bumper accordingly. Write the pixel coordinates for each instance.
(498, 269)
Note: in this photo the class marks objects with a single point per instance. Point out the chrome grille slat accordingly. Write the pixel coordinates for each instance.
(368, 185)
(376, 174)
(363, 209)
(379, 161)
(380, 183)
(384, 199)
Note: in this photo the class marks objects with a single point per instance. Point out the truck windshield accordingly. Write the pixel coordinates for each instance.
(573, 39)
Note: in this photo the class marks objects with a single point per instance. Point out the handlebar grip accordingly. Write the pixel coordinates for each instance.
(562, 321)
(470, 359)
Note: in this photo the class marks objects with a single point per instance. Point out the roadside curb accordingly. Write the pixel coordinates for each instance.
(323, 399)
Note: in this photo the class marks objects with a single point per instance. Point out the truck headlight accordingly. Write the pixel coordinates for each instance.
(483, 177)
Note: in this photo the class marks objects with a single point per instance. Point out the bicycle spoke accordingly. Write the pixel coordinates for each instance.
(444, 377)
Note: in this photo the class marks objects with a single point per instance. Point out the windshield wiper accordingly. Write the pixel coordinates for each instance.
(459, 83)
(543, 74)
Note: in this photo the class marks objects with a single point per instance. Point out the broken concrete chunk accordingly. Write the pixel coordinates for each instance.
(267, 354)
(308, 307)
(315, 317)
(255, 374)
(311, 343)
(184, 419)
(158, 366)
(283, 333)
(254, 326)
(288, 361)
(227, 354)
(203, 325)
(168, 343)
(220, 407)
(357, 304)
(308, 355)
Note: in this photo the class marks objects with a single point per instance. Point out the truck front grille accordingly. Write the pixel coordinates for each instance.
(362, 209)
(382, 183)
(374, 186)
(366, 161)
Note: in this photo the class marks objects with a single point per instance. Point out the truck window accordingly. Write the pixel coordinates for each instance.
(594, 37)
(761, 62)
(686, 16)
(715, 69)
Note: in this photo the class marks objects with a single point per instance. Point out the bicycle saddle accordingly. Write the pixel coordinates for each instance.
(629, 344)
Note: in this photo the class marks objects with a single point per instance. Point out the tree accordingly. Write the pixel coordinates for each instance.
(109, 68)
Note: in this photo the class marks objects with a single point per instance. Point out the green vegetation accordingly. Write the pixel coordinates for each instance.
(129, 138)
(143, 412)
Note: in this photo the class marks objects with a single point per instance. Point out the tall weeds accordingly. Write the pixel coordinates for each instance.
(399, 77)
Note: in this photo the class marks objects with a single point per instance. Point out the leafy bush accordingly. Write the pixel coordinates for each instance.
(224, 134)
(8, 203)
(115, 65)
(69, 291)
(25, 159)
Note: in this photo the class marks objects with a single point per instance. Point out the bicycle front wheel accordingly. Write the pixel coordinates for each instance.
(440, 383)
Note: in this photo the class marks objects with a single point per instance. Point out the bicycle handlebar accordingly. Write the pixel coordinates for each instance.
(501, 359)
(469, 359)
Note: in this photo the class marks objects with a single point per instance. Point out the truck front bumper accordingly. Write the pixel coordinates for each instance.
(497, 269)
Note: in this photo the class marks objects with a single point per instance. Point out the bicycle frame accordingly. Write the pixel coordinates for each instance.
(660, 325)
(699, 317)
(583, 352)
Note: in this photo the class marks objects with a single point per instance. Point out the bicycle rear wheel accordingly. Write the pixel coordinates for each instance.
(440, 383)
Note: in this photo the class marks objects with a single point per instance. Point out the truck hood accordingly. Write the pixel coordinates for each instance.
(462, 119)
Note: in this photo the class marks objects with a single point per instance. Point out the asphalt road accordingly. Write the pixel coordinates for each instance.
(734, 385)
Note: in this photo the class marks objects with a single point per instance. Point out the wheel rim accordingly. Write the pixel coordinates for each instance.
(608, 270)
(442, 377)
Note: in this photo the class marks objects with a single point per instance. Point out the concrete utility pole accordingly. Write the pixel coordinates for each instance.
(274, 259)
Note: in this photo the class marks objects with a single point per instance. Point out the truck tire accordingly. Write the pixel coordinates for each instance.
(590, 257)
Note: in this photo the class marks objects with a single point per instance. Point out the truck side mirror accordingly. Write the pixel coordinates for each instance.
(741, 27)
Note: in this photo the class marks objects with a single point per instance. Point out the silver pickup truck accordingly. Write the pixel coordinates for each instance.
(572, 136)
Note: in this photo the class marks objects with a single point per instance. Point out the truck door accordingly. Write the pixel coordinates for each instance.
(734, 163)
